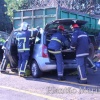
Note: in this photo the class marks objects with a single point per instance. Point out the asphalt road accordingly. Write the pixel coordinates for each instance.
(13, 87)
(12, 94)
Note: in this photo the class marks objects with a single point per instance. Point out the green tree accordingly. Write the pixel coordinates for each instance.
(13, 5)
(10, 6)
(5, 23)
(18, 4)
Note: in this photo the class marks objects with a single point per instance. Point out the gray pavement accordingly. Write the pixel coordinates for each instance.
(6, 94)
(13, 87)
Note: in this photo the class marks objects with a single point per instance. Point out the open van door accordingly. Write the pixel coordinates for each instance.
(11, 50)
(3, 37)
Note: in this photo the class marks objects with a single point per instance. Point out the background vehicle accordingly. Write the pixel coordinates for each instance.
(41, 60)
(44, 15)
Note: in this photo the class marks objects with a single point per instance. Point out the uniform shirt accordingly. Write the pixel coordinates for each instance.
(23, 40)
(80, 42)
(35, 33)
(56, 41)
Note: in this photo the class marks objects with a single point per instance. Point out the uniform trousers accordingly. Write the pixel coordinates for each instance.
(81, 63)
(22, 61)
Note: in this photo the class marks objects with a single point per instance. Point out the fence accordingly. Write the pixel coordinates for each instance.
(85, 6)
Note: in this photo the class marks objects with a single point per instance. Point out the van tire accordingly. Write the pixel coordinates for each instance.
(35, 70)
(91, 51)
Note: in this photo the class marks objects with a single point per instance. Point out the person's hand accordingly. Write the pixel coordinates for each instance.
(67, 50)
(98, 55)
(3, 48)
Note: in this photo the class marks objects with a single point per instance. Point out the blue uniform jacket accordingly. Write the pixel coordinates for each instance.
(35, 32)
(23, 40)
(80, 42)
(57, 40)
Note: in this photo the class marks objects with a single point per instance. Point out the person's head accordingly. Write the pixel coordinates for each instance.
(71, 27)
(75, 25)
(24, 26)
(38, 28)
(60, 28)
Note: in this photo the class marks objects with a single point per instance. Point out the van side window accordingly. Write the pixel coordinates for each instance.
(38, 39)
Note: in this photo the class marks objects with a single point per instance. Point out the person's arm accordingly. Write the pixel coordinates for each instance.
(65, 41)
(15, 38)
(33, 36)
(74, 40)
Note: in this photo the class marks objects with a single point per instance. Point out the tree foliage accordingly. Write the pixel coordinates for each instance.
(8, 6)
(5, 24)
(6, 13)
(13, 5)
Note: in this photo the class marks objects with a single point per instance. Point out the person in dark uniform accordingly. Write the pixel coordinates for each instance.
(80, 43)
(35, 33)
(89, 60)
(25, 43)
(54, 47)
(23, 38)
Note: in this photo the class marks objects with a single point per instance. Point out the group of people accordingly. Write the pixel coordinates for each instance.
(79, 42)
(24, 39)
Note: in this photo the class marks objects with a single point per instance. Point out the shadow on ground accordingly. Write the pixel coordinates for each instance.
(71, 78)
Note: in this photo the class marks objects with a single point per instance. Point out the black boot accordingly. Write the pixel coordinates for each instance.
(61, 78)
(82, 81)
(94, 69)
(22, 74)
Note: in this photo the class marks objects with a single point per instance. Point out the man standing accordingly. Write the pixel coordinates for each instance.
(80, 42)
(35, 33)
(25, 43)
(89, 60)
(23, 40)
(55, 46)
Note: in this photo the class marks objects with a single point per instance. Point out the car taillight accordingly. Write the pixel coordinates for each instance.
(44, 51)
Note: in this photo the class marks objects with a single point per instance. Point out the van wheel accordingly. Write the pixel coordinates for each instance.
(36, 72)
